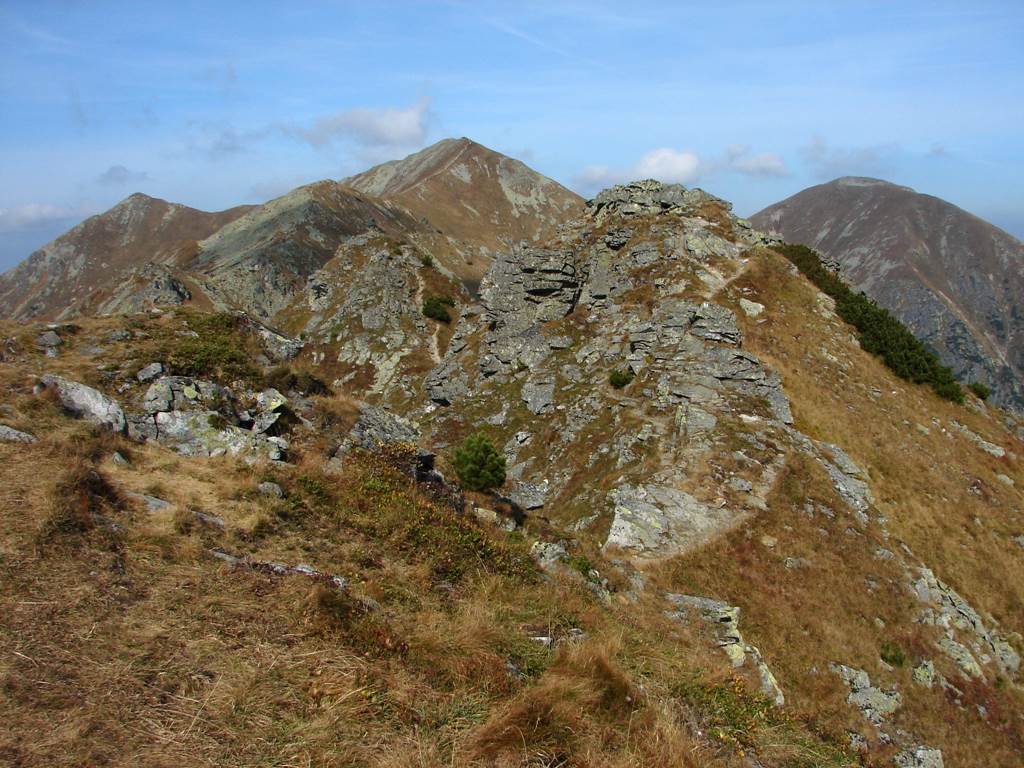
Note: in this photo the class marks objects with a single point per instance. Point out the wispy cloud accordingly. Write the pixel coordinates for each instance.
(24, 218)
(740, 159)
(826, 161)
(119, 175)
(369, 127)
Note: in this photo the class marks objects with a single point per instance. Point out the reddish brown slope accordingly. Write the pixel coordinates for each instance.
(955, 280)
(86, 264)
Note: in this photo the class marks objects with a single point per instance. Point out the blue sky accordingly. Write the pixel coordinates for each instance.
(217, 104)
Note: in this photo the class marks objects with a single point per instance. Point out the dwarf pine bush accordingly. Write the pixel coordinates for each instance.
(479, 465)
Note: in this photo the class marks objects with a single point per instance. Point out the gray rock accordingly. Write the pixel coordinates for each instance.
(10, 435)
(751, 308)
(539, 396)
(875, 704)
(151, 371)
(268, 488)
(529, 495)
(152, 503)
(920, 757)
(726, 620)
(48, 340)
(548, 554)
(924, 673)
(658, 520)
(86, 402)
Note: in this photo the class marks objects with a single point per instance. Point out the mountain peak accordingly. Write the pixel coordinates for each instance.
(947, 274)
(866, 181)
(472, 193)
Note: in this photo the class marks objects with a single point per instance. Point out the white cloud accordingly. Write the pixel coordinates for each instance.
(22, 218)
(119, 175)
(669, 165)
(369, 127)
(675, 166)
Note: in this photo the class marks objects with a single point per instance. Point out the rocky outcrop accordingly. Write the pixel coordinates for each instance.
(726, 620)
(653, 519)
(195, 417)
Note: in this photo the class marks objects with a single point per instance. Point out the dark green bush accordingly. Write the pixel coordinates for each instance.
(284, 379)
(436, 308)
(479, 465)
(892, 654)
(980, 390)
(619, 378)
(426, 260)
(878, 331)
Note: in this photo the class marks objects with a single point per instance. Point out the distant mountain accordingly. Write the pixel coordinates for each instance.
(457, 202)
(82, 267)
(955, 280)
(484, 200)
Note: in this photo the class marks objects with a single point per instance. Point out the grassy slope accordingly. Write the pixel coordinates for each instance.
(125, 643)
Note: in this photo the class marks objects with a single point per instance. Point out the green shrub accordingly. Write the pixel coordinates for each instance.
(218, 350)
(479, 465)
(426, 260)
(878, 330)
(436, 308)
(892, 654)
(619, 378)
(284, 379)
(980, 390)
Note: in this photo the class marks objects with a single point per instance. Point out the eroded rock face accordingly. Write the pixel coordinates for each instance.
(658, 519)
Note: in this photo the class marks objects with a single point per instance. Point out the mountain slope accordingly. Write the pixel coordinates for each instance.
(262, 259)
(100, 255)
(753, 546)
(479, 197)
(956, 281)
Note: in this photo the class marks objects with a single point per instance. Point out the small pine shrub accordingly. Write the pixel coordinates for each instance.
(479, 465)
(619, 378)
(892, 654)
(426, 260)
(436, 308)
(979, 389)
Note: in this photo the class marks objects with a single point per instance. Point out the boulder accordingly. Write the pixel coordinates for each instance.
(150, 372)
(874, 703)
(268, 488)
(48, 340)
(86, 402)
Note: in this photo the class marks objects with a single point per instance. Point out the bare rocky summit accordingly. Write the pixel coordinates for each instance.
(483, 200)
(956, 281)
